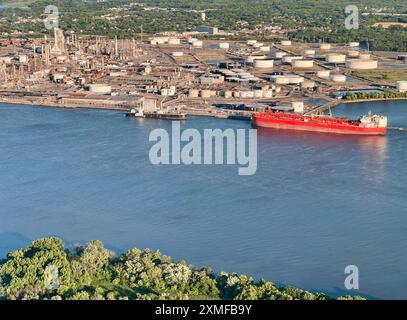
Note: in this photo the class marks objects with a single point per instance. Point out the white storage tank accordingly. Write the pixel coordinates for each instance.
(286, 43)
(197, 44)
(308, 84)
(298, 106)
(324, 74)
(294, 79)
(193, 93)
(227, 94)
(401, 86)
(353, 53)
(362, 64)
(268, 94)
(251, 59)
(280, 79)
(364, 56)
(177, 54)
(325, 46)
(258, 93)
(303, 63)
(353, 44)
(264, 64)
(290, 59)
(22, 58)
(224, 45)
(309, 52)
(208, 93)
(279, 54)
(174, 41)
(335, 58)
(99, 88)
(338, 78)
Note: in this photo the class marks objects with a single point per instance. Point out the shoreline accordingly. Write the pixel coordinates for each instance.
(194, 112)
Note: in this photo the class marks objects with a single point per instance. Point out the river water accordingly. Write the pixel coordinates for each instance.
(317, 203)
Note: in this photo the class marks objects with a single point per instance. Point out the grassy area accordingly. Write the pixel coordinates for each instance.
(389, 76)
(13, 4)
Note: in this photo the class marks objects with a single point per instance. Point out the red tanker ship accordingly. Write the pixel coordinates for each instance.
(366, 125)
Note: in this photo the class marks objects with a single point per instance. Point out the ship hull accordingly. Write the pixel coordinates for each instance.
(317, 127)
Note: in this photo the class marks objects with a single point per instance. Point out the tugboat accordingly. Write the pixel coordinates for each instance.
(174, 114)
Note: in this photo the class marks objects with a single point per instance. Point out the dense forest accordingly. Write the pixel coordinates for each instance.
(305, 20)
(46, 270)
(375, 95)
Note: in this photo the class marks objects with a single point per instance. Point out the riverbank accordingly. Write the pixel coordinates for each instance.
(93, 272)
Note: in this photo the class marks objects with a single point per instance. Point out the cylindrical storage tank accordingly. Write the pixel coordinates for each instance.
(364, 56)
(359, 64)
(227, 94)
(298, 106)
(338, 78)
(251, 59)
(268, 94)
(172, 91)
(263, 64)
(353, 53)
(296, 79)
(323, 74)
(224, 45)
(353, 44)
(290, 59)
(280, 79)
(286, 43)
(251, 42)
(177, 54)
(309, 52)
(193, 93)
(249, 94)
(99, 88)
(308, 84)
(279, 54)
(174, 41)
(401, 86)
(206, 94)
(264, 48)
(258, 45)
(303, 63)
(197, 44)
(258, 93)
(325, 46)
(335, 58)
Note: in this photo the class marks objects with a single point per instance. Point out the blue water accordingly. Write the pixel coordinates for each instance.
(317, 203)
